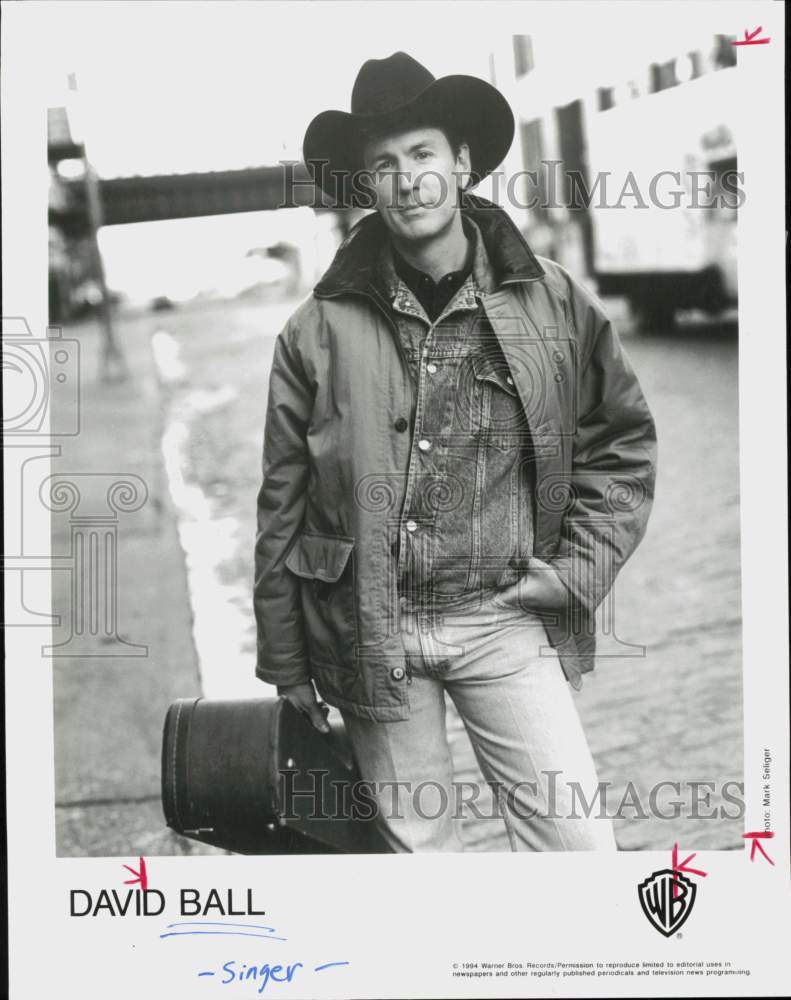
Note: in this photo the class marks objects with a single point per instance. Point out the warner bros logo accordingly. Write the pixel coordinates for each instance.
(667, 911)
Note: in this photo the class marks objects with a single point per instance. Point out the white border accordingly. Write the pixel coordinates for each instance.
(403, 920)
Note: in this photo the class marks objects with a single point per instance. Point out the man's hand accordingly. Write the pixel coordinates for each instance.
(539, 589)
(303, 698)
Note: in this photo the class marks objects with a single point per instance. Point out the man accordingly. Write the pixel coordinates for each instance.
(458, 459)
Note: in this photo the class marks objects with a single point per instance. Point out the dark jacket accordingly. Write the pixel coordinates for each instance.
(325, 591)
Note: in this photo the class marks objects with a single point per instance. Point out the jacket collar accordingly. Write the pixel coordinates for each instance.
(355, 264)
(479, 278)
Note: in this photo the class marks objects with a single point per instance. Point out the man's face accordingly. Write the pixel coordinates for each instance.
(416, 178)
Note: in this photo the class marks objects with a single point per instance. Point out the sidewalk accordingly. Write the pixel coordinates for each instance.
(109, 710)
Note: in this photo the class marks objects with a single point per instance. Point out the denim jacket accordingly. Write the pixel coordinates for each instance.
(337, 453)
(464, 523)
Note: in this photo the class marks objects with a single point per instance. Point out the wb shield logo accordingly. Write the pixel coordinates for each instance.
(667, 911)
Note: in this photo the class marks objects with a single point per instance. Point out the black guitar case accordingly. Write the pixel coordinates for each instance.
(236, 774)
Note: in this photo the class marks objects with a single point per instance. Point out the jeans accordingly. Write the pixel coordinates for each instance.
(521, 719)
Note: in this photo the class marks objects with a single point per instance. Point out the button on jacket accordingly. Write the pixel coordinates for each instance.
(335, 464)
(469, 488)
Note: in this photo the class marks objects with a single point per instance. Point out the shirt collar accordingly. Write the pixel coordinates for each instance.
(477, 276)
(412, 275)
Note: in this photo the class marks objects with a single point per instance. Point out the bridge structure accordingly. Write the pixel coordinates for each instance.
(124, 200)
(80, 203)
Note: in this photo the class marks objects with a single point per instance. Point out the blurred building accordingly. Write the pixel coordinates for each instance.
(624, 164)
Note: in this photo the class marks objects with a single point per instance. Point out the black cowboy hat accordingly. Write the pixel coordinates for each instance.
(398, 92)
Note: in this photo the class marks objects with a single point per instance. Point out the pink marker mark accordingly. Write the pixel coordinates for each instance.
(757, 836)
(750, 38)
(682, 868)
(141, 876)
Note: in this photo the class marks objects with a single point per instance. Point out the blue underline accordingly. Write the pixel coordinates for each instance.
(218, 923)
(268, 937)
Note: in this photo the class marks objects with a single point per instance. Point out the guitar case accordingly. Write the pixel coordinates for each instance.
(254, 776)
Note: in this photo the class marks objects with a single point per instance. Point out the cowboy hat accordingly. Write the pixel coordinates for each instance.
(398, 93)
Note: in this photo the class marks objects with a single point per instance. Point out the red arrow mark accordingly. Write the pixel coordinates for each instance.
(682, 867)
(141, 876)
(751, 39)
(756, 838)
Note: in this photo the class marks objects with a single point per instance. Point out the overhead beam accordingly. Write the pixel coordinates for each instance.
(183, 196)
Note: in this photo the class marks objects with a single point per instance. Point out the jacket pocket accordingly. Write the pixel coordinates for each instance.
(499, 417)
(325, 566)
(553, 487)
